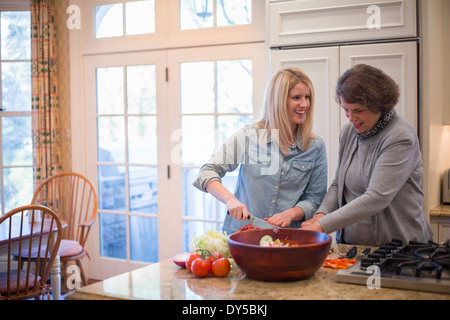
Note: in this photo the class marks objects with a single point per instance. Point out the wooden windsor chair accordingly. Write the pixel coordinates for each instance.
(28, 229)
(72, 196)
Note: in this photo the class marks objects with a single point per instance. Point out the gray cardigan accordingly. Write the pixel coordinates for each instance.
(393, 198)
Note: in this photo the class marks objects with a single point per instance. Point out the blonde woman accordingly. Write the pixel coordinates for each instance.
(283, 166)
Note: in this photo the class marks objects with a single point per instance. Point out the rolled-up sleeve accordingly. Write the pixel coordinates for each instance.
(206, 175)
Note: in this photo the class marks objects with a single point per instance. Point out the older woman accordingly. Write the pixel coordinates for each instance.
(283, 173)
(376, 195)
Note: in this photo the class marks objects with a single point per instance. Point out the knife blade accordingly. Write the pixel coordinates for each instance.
(260, 223)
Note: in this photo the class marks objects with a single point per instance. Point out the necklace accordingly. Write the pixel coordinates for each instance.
(382, 123)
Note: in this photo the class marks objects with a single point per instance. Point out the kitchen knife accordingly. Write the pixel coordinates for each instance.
(260, 223)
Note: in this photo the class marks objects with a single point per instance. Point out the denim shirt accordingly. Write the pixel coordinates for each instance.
(268, 182)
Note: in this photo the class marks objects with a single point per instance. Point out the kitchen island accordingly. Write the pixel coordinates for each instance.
(167, 281)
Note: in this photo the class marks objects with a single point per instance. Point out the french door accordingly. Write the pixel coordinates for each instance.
(125, 99)
(152, 119)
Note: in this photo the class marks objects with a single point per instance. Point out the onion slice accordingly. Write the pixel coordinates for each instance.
(180, 259)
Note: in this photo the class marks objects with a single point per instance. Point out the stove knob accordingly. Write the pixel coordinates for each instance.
(394, 244)
(398, 242)
(376, 256)
(389, 248)
(382, 253)
(367, 262)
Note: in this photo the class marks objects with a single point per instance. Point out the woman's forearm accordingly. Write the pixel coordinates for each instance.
(218, 191)
(236, 209)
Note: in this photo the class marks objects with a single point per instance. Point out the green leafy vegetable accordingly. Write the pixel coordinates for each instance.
(212, 241)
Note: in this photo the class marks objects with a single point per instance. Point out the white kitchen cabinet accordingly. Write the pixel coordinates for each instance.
(305, 22)
(441, 229)
(440, 223)
(444, 231)
(325, 65)
(398, 60)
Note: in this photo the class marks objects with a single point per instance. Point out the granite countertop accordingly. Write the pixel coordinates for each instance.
(166, 281)
(442, 211)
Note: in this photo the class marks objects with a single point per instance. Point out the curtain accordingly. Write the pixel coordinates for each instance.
(44, 92)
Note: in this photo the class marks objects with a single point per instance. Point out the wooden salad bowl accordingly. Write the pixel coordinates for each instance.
(301, 259)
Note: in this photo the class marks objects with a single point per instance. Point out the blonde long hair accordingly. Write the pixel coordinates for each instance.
(274, 113)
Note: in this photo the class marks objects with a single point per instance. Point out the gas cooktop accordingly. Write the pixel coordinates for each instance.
(415, 266)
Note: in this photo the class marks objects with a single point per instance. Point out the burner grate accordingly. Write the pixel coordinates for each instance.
(417, 266)
(418, 261)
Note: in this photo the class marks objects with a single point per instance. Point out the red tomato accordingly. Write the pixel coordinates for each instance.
(216, 255)
(221, 267)
(201, 268)
(191, 258)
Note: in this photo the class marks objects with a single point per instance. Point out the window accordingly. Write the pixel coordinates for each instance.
(16, 174)
(135, 25)
(196, 14)
(130, 18)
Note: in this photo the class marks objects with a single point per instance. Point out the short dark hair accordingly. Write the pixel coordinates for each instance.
(368, 86)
